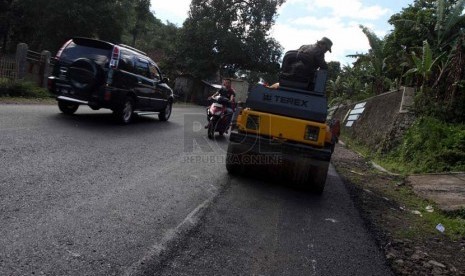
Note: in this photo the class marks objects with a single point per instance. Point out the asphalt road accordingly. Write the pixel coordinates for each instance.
(83, 195)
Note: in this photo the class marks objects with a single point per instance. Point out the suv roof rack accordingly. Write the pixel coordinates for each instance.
(132, 48)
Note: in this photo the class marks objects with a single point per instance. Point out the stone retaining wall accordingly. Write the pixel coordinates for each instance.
(383, 122)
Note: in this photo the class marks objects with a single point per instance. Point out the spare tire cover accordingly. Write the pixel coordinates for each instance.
(83, 74)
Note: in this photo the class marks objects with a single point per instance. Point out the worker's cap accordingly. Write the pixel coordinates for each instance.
(328, 42)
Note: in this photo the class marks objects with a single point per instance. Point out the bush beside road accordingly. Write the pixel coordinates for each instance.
(22, 89)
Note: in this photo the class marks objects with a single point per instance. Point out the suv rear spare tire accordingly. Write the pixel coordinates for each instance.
(83, 74)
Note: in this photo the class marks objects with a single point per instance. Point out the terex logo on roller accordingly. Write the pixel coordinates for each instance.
(284, 100)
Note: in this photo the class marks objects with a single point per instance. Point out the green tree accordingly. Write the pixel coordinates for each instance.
(375, 59)
(334, 88)
(5, 22)
(412, 25)
(441, 24)
(56, 21)
(142, 17)
(20, 12)
(226, 36)
(425, 65)
(334, 69)
(159, 42)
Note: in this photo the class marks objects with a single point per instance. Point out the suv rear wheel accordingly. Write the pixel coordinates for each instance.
(67, 108)
(166, 113)
(125, 113)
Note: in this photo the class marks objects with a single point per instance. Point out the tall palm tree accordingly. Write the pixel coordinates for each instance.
(376, 58)
(449, 23)
(425, 65)
(450, 34)
(334, 88)
(446, 26)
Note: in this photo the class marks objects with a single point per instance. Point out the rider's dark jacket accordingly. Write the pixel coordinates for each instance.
(227, 93)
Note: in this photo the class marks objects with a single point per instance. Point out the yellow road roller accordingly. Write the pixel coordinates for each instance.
(283, 133)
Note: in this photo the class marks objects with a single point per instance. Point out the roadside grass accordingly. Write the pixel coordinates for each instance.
(22, 89)
(422, 223)
(415, 220)
(22, 100)
(429, 146)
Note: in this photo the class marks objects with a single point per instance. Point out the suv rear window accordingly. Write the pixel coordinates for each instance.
(74, 51)
(126, 62)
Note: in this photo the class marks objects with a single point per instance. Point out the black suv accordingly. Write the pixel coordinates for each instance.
(105, 75)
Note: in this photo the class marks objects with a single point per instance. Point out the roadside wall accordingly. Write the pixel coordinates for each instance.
(242, 88)
(383, 122)
(183, 87)
(26, 65)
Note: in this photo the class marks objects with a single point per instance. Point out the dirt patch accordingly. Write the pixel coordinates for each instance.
(447, 190)
(408, 248)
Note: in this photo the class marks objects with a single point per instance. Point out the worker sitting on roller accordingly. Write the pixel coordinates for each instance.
(301, 65)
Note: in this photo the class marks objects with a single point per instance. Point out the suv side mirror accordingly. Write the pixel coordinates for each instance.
(164, 80)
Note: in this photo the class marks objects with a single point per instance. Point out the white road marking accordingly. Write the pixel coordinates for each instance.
(170, 235)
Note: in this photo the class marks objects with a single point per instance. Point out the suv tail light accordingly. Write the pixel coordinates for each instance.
(107, 95)
(114, 57)
(62, 48)
(51, 83)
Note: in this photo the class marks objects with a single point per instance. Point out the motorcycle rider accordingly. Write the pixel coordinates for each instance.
(228, 92)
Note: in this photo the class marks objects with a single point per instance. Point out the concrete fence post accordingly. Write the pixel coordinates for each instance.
(21, 55)
(45, 67)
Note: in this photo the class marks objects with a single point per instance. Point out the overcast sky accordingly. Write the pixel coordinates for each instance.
(305, 21)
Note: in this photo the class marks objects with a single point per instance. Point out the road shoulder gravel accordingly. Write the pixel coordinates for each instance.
(390, 222)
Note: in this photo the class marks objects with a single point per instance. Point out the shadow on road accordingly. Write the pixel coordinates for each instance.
(107, 122)
(267, 182)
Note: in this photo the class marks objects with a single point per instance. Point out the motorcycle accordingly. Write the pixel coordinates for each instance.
(218, 116)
